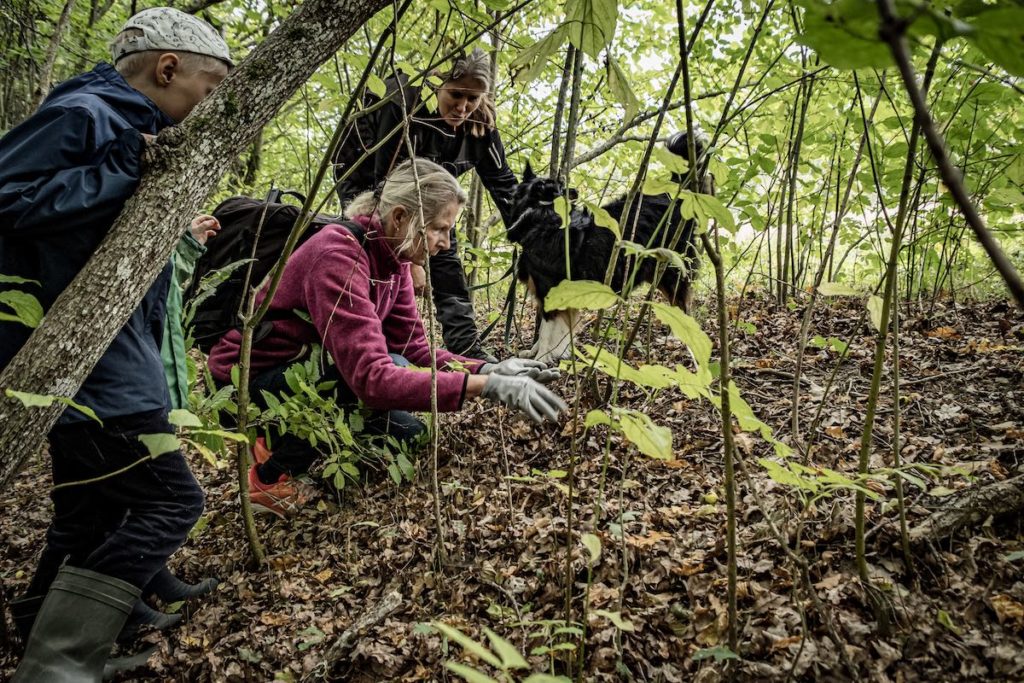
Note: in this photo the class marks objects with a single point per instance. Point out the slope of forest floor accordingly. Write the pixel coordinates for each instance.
(661, 525)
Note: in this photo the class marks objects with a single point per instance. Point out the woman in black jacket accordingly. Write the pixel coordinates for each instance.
(456, 130)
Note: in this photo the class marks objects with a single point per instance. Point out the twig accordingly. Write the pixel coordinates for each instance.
(350, 636)
(893, 32)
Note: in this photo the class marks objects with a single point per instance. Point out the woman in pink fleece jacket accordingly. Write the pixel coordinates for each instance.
(360, 301)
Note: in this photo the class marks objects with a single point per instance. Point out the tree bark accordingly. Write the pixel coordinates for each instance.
(182, 168)
(43, 87)
(973, 508)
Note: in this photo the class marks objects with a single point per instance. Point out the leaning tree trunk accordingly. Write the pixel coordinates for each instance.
(182, 168)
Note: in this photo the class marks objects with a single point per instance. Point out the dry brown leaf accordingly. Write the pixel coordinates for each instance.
(1007, 609)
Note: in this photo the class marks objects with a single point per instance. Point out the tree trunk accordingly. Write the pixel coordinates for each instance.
(43, 88)
(182, 168)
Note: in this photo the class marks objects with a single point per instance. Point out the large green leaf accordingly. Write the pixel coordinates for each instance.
(158, 444)
(468, 644)
(15, 280)
(687, 330)
(618, 83)
(510, 657)
(650, 439)
(999, 33)
(845, 33)
(593, 545)
(591, 24)
(27, 309)
(531, 61)
(586, 294)
(30, 400)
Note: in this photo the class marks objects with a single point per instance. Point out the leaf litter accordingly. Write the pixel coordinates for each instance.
(654, 547)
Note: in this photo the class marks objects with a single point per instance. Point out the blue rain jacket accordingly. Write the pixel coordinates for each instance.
(65, 174)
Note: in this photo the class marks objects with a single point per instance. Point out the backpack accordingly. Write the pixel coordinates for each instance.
(241, 220)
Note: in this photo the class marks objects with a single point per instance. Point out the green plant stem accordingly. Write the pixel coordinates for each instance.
(805, 323)
(245, 459)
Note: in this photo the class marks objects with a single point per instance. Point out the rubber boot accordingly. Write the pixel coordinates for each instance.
(169, 588)
(144, 615)
(76, 626)
(24, 611)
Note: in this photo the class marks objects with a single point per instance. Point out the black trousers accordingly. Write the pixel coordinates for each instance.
(292, 455)
(126, 525)
(452, 304)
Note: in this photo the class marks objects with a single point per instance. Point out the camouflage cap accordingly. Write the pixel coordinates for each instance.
(165, 28)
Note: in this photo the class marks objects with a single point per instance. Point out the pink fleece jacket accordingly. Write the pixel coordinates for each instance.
(361, 301)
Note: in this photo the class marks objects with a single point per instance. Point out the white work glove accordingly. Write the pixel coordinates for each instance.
(524, 394)
(521, 367)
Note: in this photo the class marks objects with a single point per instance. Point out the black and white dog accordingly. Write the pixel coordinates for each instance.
(542, 264)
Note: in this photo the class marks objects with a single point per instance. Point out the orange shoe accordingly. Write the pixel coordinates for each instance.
(284, 498)
(260, 452)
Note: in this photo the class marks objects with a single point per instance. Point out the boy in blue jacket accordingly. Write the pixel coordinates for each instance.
(65, 174)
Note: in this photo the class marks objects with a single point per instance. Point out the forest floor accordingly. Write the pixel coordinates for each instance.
(662, 527)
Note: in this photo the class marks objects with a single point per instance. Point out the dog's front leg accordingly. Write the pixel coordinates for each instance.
(532, 351)
(554, 338)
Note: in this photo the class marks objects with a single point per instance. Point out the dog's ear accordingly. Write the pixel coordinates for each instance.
(572, 194)
(528, 173)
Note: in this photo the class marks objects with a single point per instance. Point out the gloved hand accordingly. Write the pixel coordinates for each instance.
(521, 367)
(524, 394)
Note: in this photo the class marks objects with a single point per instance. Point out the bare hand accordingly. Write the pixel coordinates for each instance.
(204, 227)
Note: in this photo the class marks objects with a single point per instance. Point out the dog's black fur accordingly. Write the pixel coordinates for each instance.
(537, 229)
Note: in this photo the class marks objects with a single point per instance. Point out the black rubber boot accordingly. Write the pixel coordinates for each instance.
(24, 611)
(144, 615)
(76, 626)
(169, 588)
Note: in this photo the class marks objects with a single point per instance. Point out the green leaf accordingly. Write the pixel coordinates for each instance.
(531, 61)
(593, 545)
(158, 444)
(875, 311)
(1014, 556)
(510, 657)
(376, 85)
(845, 33)
(27, 309)
(591, 24)
(546, 678)
(30, 400)
(562, 208)
(999, 33)
(687, 330)
(650, 439)
(603, 219)
(943, 618)
(654, 185)
(617, 619)
(707, 207)
(180, 417)
(720, 653)
(597, 417)
(618, 83)
(15, 280)
(838, 289)
(469, 673)
(467, 643)
(586, 294)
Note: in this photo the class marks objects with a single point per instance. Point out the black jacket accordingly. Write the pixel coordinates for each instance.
(65, 174)
(454, 149)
